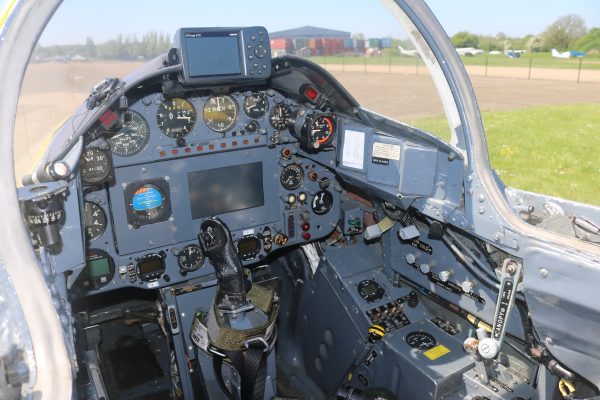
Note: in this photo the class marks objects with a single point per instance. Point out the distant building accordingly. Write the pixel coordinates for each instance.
(312, 41)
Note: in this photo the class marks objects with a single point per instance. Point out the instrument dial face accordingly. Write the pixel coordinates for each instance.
(190, 258)
(291, 177)
(279, 116)
(94, 165)
(321, 129)
(148, 201)
(95, 221)
(176, 117)
(133, 135)
(322, 202)
(220, 112)
(256, 105)
(420, 340)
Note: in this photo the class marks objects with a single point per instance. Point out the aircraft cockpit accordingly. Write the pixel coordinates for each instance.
(227, 224)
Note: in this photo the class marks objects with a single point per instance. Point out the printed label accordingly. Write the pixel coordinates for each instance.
(424, 247)
(436, 352)
(388, 151)
(506, 294)
(380, 161)
(199, 334)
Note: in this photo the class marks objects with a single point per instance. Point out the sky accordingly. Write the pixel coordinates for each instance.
(76, 19)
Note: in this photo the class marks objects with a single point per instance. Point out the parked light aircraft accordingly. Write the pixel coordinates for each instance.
(567, 54)
(410, 53)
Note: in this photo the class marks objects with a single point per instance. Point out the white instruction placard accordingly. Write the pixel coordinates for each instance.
(385, 150)
(353, 153)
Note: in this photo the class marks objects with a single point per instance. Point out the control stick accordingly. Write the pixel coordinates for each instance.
(215, 239)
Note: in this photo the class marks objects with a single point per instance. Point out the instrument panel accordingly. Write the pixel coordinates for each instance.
(175, 161)
(170, 127)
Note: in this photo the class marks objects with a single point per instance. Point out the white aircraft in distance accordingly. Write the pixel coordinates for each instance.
(410, 53)
(468, 51)
(567, 54)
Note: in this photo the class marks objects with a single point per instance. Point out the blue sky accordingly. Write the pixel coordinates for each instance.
(77, 19)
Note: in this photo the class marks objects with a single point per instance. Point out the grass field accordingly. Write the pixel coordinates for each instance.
(550, 149)
(537, 60)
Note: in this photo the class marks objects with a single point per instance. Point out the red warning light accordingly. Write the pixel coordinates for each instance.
(311, 93)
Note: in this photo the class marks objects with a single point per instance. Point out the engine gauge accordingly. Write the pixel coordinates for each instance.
(220, 112)
(190, 258)
(280, 116)
(95, 221)
(95, 165)
(420, 340)
(291, 177)
(176, 117)
(322, 202)
(321, 130)
(256, 105)
(133, 136)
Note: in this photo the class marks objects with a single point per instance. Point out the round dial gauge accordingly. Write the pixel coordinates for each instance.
(133, 135)
(291, 177)
(176, 117)
(256, 105)
(321, 130)
(322, 202)
(98, 271)
(279, 116)
(420, 340)
(95, 221)
(220, 112)
(94, 165)
(190, 258)
(148, 202)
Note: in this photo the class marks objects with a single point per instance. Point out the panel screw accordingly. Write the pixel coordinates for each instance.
(549, 341)
(511, 267)
(544, 272)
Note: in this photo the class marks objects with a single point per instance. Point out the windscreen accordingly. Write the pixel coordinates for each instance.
(212, 53)
(222, 190)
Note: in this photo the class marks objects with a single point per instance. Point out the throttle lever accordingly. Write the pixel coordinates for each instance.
(512, 272)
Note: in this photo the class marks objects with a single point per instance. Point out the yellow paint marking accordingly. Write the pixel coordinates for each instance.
(43, 144)
(6, 12)
(436, 352)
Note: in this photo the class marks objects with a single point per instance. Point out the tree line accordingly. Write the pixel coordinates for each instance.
(124, 47)
(568, 32)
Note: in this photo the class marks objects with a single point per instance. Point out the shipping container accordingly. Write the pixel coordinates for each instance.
(300, 43)
(359, 44)
(282, 44)
(278, 44)
(386, 43)
(373, 43)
